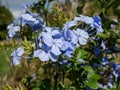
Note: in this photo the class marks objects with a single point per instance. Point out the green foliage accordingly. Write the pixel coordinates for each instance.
(92, 78)
(57, 17)
(80, 54)
(5, 16)
(5, 19)
(7, 87)
(27, 46)
(2, 34)
(4, 59)
(39, 8)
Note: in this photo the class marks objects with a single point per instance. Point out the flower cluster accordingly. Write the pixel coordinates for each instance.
(60, 44)
(54, 41)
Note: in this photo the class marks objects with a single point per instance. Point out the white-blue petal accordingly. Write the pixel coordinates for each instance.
(74, 37)
(84, 34)
(16, 60)
(20, 51)
(103, 45)
(99, 30)
(82, 41)
(43, 56)
(55, 50)
(53, 57)
(11, 33)
(28, 17)
(77, 19)
(87, 19)
(70, 24)
(59, 42)
(16, 28)
(47, 38)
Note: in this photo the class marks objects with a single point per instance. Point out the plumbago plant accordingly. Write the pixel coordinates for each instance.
(79, 55)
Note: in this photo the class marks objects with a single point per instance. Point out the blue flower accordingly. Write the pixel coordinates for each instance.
(99, 30)
(104, 61)
(70, 24)
(51, 43)
(55, 44)
(97, 51)
(82, 36)
(44, 54)
(31, 20)
(54, 32)
(85, 19)
(116, 68)
(16, 56)
(103, 45)
(94, 22)
(68, 49)
(97, 21)
(80, 61)
(25, 8)
(37, 25)
(28, 17)
(70, 36)
(97, 24)
(12, 29)
(63, 62)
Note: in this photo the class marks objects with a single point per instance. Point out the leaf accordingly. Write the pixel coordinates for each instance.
(80, 54)
(92, 84)
(92, 78)
(93, 81)
(88, 69)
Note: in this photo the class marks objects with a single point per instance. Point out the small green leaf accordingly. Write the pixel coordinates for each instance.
(92, 84)
(88, 69)
(94, 77)
(80, 53)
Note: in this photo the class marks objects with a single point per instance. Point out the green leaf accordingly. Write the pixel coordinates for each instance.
(92, 84)
(95, 77)
(92, 78)
(88, 69)
(93, 81)
(80, 53)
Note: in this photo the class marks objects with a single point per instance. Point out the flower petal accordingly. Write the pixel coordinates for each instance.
(47, 38)
(16, 60)
(43, 56)
(55, 50)
(20, 51)
(59, 42)
(82, 41)
(84, 34)
(53, 57)
(74, 37)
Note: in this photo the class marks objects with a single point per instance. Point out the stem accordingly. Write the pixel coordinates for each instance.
(77, 25)
(56, 76)
(63, 73)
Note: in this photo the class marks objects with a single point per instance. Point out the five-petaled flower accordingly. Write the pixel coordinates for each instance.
(82, 36)
(17, 56)
(12, 29)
